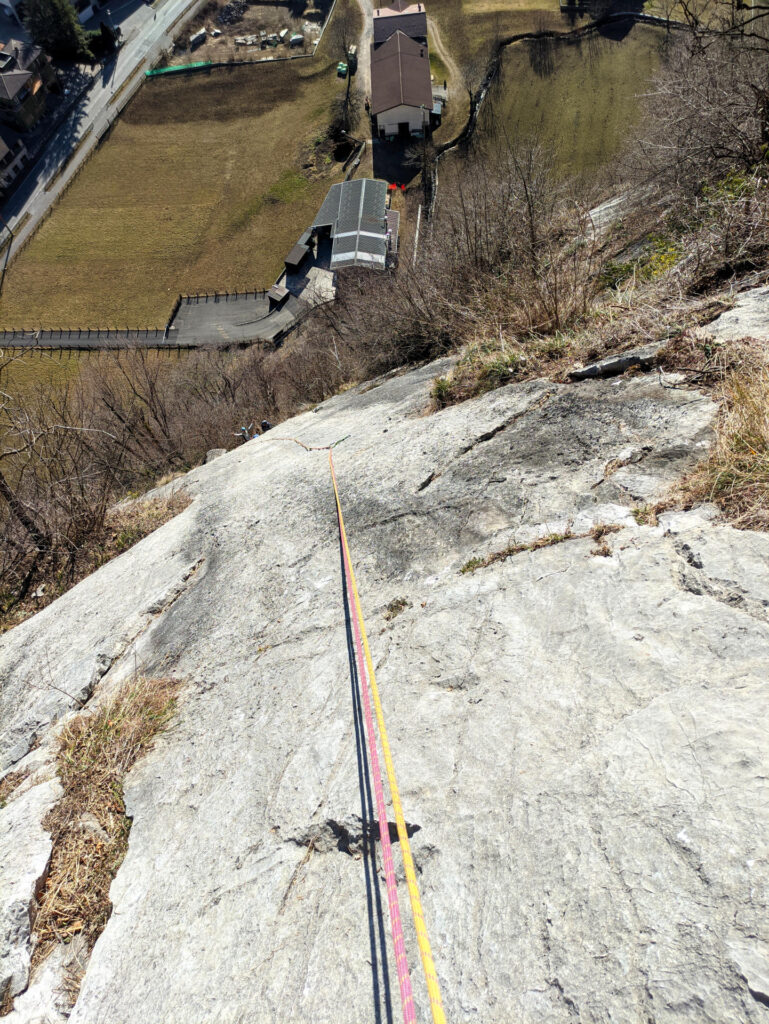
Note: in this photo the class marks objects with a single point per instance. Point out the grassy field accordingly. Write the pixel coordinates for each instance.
(31, 373)
(205, 184)
(578, 99)
(40, 370)
(470, 27)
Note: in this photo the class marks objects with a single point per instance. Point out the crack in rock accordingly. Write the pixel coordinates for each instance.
(173, 594)
(627, 458)
(749, 956)
(568, 1002)
(489, 434)
(692, 578)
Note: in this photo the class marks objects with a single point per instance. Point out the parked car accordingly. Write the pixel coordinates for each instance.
(341, 69)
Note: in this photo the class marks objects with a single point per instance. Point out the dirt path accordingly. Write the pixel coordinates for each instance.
(454, 76)
(363, 74)
(457, 102)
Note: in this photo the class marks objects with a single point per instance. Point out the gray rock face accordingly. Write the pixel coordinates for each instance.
(580, 740)
(25, 850)
(45, 1001)
(748, 319)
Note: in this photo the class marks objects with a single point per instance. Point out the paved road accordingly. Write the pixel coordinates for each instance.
(229, 320)
(145, 31)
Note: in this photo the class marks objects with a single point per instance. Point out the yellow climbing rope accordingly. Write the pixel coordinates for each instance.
(433, 989)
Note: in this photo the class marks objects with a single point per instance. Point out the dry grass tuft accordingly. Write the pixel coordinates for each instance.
(485, 366)
(482, 367)
(608, 329)
(598, 533)
(9, 783)
(515, 549)
(131, 522)
(705, 361)
(735, 476)
(89, 828)
(646, 515)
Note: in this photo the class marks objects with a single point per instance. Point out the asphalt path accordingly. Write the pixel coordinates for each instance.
(145, 33)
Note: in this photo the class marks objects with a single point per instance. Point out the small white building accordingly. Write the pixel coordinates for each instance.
(401, 90)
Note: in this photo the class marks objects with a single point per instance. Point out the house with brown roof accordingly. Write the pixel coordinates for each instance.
(400, 16)
(401, 90)
(25, 75)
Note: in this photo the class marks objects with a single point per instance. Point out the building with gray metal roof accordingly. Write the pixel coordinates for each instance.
(354, 212)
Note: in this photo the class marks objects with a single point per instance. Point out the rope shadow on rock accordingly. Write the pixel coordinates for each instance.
(375, 914)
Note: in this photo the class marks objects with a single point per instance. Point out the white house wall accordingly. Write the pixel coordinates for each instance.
(389, 120)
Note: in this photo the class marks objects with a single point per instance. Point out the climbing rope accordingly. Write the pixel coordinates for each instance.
(433, 989)
(401, 962)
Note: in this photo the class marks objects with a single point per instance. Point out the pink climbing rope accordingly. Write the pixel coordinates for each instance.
(401, 963)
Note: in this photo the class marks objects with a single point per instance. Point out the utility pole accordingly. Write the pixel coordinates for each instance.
(416, 236)
(7, 251)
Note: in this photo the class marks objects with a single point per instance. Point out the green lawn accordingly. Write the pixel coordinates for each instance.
(205, 184)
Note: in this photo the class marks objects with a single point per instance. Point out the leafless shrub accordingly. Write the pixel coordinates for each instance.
(707, 113)
(58, 570)
(133, 416)
(345, 115)
(509, 250)
(726, 232)
(57, 475)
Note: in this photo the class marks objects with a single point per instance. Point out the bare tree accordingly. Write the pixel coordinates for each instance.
(508, 250)
(345, 115)
(707, 112)
(343, 32)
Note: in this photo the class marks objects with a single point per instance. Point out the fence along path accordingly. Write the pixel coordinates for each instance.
(86, 338)
(245, 316)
